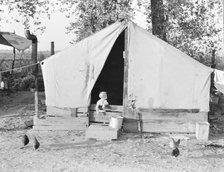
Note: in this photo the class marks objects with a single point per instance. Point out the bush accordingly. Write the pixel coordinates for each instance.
(19, 82)
(27, 82)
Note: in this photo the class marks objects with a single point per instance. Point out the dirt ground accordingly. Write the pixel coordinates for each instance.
(70, 151)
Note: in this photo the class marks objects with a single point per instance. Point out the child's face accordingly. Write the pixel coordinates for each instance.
(103, 95)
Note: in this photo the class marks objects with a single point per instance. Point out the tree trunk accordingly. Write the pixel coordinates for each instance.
(158, 19)
(223, 22)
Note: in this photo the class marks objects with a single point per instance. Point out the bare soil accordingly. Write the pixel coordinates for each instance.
(70, 151)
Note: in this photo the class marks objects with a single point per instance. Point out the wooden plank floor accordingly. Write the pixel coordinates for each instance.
(61, 123)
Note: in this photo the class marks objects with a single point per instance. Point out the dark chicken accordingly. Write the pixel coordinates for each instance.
(174, 146)
(36, 143)
(25, 140)
(175, 152)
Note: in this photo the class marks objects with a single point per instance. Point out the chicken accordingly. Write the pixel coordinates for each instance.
(174, 146)
(36, 143)
(175, 152)
(25, 140)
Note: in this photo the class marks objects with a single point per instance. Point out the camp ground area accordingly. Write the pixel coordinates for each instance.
(118, 100)
(69, 150)
(140, 74)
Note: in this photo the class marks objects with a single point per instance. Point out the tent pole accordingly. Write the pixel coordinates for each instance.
(33, 38)
(213, 65)
(14, 58)
(212, 85)
(125, 87)
(52, 48)
(11, 73)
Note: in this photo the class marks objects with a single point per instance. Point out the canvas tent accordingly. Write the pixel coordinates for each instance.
(137, 69)
(159, 75)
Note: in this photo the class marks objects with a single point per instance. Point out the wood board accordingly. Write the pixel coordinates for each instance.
(61, 123)
(67, 112)
(151, 121)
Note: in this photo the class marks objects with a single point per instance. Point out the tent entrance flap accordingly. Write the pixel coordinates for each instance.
(112, 75)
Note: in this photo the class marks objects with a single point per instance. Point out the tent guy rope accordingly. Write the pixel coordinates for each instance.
(8, 70)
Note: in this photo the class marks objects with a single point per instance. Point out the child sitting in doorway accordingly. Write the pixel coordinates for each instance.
(102, 103)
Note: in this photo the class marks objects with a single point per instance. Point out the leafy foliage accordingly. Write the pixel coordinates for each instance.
(22, 82)
(192, 26)
(90, 16)
(86, 16)
(29, 12)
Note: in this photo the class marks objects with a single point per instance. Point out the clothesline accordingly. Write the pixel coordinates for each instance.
(8, 70)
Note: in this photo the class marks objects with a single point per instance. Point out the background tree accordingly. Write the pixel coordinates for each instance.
(192, 26)
(90, 16)
(28, 12)
(86, 16)
(158, 19)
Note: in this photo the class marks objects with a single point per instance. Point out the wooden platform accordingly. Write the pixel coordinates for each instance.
(67, 112)
(101, 132)
(63, 119)
(163, 121)
(145, 120)
(61, 123)
(182, 122)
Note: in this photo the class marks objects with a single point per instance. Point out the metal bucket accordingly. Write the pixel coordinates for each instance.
(116, 122)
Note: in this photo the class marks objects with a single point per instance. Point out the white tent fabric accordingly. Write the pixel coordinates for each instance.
(161, 76)
(219, 80)
(70, 75)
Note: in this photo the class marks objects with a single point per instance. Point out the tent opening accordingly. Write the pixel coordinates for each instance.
(112, 75)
